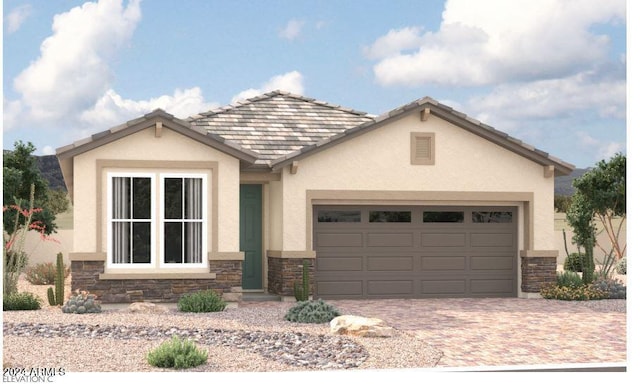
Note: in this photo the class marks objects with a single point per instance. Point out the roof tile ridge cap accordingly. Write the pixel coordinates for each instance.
(324, 103)
(233, 105)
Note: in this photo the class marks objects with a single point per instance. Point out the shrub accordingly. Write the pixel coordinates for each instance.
(178, 354)
(614, 289)
(82, 302)
(24, 301)
(43, 273)
(201, 301)
(311, 311)
(622, 266)
(569, 279)
(574, 262)
(583, 292)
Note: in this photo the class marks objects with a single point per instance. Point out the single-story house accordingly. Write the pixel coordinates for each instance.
(421, 201)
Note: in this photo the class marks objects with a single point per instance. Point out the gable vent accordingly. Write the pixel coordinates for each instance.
(422, 148)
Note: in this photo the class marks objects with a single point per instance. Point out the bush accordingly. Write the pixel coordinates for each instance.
(43, 273)
(82, 302)
(24, 301)
(569, 279)
(201, 301)
(583, 292)
(574, 262)
(614, 289)
(622, 266)
(311, 311)
(178, 354)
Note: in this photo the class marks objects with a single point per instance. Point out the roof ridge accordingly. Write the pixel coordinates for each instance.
(273, 93)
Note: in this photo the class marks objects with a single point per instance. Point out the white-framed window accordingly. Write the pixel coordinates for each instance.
(131, 220)
(141, 234)
(182, 226)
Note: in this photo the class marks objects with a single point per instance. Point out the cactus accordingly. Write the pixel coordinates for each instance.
(59, 280)
(51, 297)
(589, 266)
(302, 293)
(82, 302)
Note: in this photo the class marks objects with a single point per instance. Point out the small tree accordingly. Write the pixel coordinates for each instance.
(600, 195)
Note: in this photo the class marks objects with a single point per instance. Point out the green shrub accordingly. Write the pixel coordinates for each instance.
(24, 301)
(311, 311)
(82, 302)
(177, 354)
(584, 292)
(614, 289)
(201, 301)
(574, 262)
(568, 278)
(43, 273)
(622, 266)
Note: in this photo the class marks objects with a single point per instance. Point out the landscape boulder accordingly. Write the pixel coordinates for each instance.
(143, 307)
(360, 326)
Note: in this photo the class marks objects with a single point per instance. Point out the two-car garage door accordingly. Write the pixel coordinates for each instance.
(415, 251)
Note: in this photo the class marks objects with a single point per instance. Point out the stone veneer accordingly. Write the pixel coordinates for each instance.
(537, 271)
(85, 275)
(283, 272)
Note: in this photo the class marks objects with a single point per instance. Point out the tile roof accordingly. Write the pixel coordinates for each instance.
(278, 123)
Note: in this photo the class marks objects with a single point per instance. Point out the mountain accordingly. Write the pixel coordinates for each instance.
(564, 184)
(50, 170)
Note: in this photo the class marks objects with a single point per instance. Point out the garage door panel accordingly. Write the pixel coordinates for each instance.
(492, 240)
(340, 264)
(492, 263)
(390, 287)
(443, 240)
(442, 263)
(340, 289)
(443, 286)
(390, 263)
(492, 286)
(339, 240)
(390, 239)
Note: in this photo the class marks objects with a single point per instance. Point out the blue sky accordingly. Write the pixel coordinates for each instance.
(550, 73)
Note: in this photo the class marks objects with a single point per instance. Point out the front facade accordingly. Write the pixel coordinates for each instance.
(418, 202)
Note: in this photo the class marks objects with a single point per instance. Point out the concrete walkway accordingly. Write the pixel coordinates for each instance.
(505, 332)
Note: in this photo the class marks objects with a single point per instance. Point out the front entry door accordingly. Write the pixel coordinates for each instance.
(251, 235)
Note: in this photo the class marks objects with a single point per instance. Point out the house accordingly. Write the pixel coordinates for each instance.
(421, 201)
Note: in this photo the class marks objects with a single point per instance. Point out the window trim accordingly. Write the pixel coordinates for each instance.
(152, 262)
(419, 160)
(161, 221)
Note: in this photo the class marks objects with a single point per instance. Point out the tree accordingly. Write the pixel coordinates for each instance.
(20, 173)
(601, 194)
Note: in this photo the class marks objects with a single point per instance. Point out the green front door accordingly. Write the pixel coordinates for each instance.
(251, 235)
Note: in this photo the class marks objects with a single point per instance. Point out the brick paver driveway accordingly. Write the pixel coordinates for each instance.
(505, 332)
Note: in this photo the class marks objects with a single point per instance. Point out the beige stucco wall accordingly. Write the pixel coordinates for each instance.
(143, 147)
(380, 161)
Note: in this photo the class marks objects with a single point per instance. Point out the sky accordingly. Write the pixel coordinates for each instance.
(548, 72)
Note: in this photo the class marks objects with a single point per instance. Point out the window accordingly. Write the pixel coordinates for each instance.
(131, 219)
(492, 217)
(180, 225)
(423, 148)
(390, 217)
(338, 216)
(183, 223)
(443, 217)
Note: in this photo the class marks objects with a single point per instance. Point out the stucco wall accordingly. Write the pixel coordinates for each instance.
(380, 161)
(144, 146)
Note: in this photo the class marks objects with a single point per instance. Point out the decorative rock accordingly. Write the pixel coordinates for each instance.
(360, 326)
(142, 307)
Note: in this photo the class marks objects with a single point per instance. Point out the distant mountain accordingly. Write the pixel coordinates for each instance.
(50, 170)
(564, 184)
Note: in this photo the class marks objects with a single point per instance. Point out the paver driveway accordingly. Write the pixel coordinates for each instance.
(504, 332)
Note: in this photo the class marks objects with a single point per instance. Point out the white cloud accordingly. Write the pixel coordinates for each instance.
(16, 17)
(292, 30)
(48, 150)
(604, 150)
(73, 69)
(290, 82)
(483, 42)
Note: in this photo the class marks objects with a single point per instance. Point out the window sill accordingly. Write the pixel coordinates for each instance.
(156, 276)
